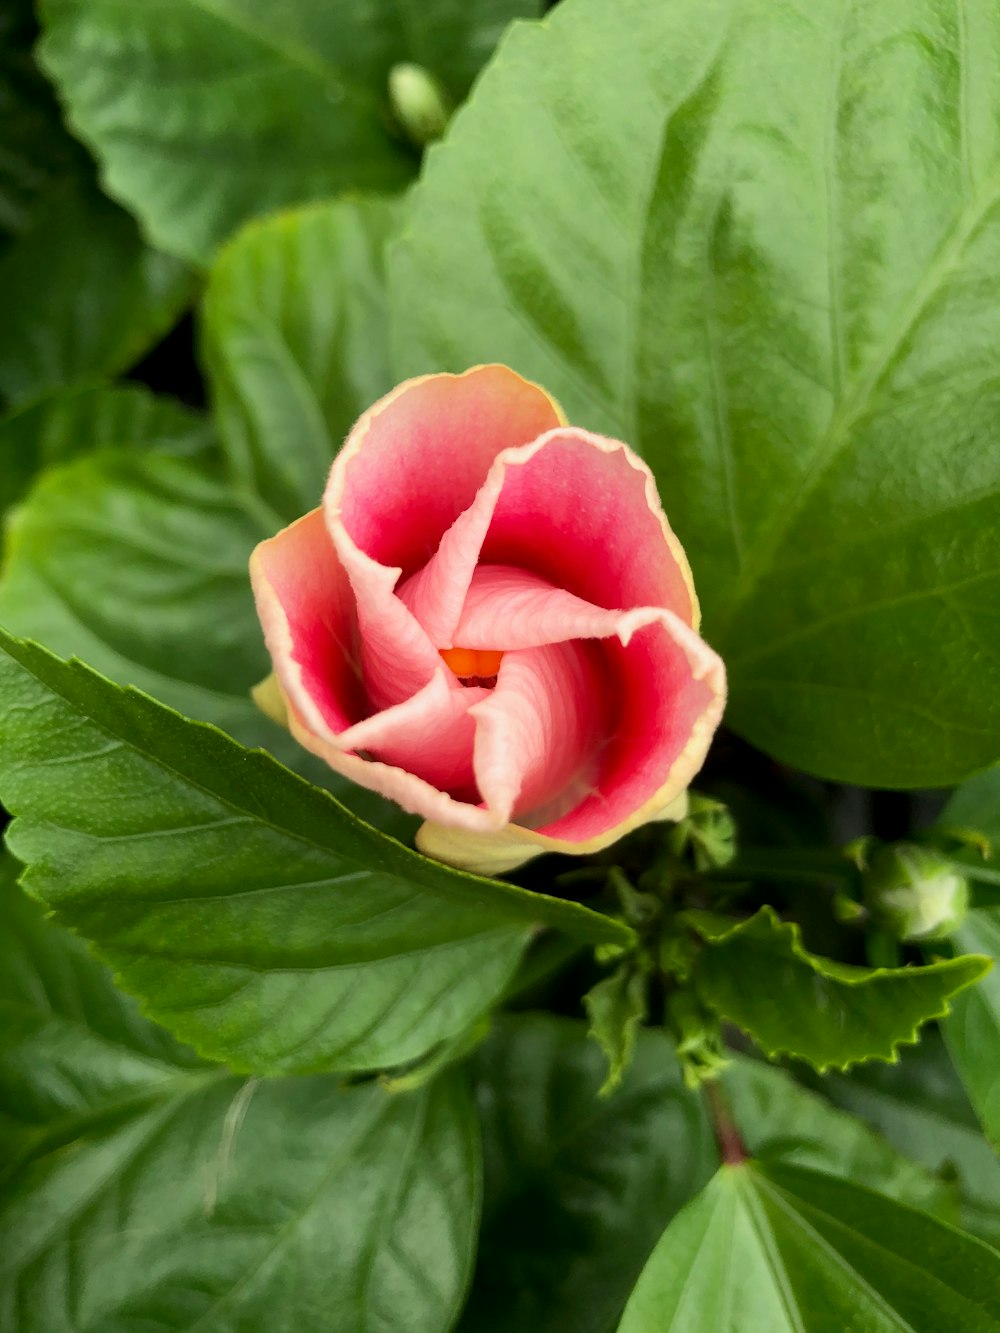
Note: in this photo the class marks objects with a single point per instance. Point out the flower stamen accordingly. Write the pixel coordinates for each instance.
(473, 666)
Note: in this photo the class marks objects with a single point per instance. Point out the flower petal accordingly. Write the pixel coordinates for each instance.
(417, 458)
(431, 735)
(671, 688)
(578, 509)
(410, 466)
(540, 731)
(306, 608)
(510, 608)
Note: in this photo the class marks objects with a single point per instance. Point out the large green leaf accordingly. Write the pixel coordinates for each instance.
(578, 1188)
(88, 417)
(765, 1250)
(204, 114)
(918, 1105)
(83, 293)
(36, 148)
(781, 1121)
(758, 974)
(254, 916)
(758, 239)
(156, 1193)
(296, 341)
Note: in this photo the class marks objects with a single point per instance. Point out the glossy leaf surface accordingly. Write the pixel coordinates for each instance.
(89, 417)
(781, 1121)
(155, 1192)
(765, 1250)
(758, 240)
(254, 916)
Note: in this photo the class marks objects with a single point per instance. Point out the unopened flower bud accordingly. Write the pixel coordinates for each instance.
(419, 103)
(915, 893)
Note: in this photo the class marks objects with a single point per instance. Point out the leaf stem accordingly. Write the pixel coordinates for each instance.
(732, 1149)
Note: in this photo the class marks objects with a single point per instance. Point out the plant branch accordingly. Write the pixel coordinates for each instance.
(732, 1149)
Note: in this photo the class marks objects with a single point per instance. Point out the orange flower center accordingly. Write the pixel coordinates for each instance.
(473, 666)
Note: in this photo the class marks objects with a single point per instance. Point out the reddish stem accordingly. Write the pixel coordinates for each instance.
(732, 1149)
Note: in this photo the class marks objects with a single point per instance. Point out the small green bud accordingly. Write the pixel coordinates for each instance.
(914, 893)
(419, 103)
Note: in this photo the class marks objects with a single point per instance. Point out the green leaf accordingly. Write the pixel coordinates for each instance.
(758, 240)
(254, 916)
(204, 115)
(162, 1194)
(779, 1120)
(918, 1105)
(36, 148)
(296, 341)
(578, 1187)
(89, 417)
(973, 1030)
(976, 805)
(757, 974)
(765, 1250)
(616, 1007)
(137, 563)
(84, 295)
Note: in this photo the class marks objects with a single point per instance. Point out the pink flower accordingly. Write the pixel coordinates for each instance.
(490, 621)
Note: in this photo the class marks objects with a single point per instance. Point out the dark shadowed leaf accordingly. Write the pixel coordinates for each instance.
(918, 1105)
(578, 1187)
(83, 293)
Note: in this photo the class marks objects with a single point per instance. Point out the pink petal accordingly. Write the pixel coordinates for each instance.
(510, 608)
(306, 608)
(579, 510)
(540, 731)
(670, 692)
(410, 466)
(670, 689)
(660, 682)
(431, 734)
(417, 458)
